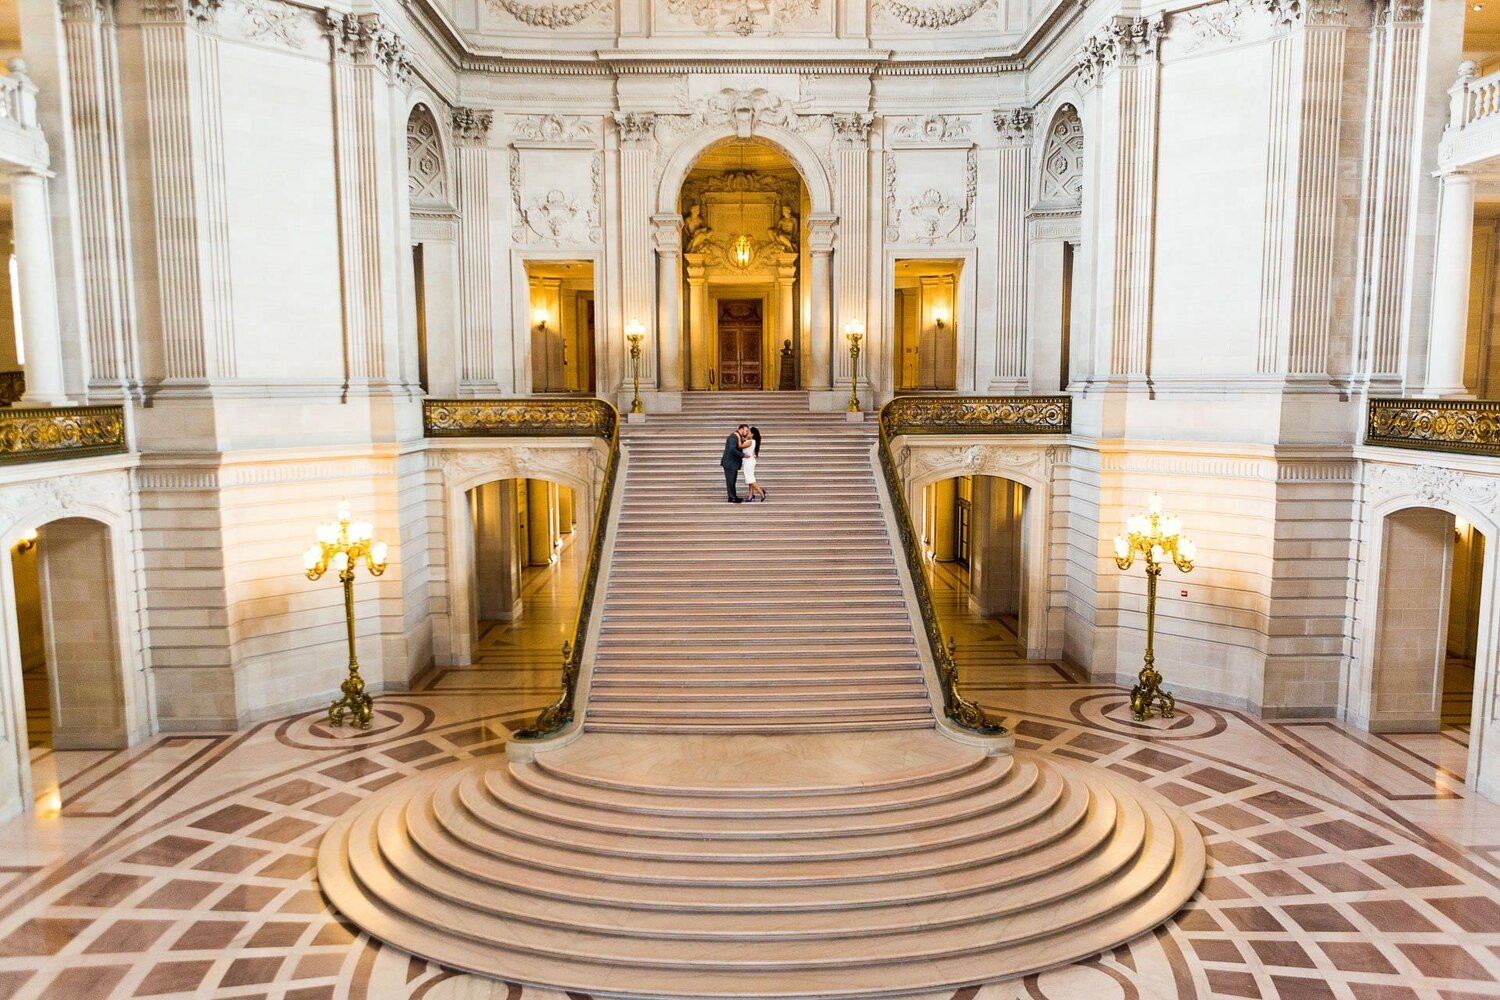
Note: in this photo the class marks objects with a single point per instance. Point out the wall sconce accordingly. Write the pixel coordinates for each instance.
(539, 318)
(940, 319)
(27, 541)
(1460, 528)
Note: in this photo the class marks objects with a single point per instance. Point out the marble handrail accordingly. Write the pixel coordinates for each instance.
(1465, 426)
(955, 415)
(546, 418)
(43, 435)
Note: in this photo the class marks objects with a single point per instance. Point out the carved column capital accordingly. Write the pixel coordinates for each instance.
(90, 11)
(635, 126)
(852, 128)
(365, 38)
(471, 126)
(201, 13)
(821, 227)
(666, 233)
(1123, 41)
(1015, 125)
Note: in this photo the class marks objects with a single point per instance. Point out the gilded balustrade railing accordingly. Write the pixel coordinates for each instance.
(546, 418)
(1465, 426)
(956, 415)
(44, 435)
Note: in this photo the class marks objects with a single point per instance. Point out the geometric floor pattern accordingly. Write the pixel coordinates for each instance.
(1342, 865)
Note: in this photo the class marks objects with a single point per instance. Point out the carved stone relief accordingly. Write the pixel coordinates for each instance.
(1124, 41)
(1062, 160)
(1433, 485)
(552, 16)
(743, 17)
(274, 21)
(426, 180)
(930, 214)
(932, 16)
(931, 128)
(553, 128)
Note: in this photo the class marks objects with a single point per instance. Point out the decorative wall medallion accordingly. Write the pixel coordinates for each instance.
(552, 128)
(555, 217)
(1062, 159)
(1216, 24)
(932, 128)
(270, 19)
(933, 217)
(551, 16)
(932, 16)
(743, 17)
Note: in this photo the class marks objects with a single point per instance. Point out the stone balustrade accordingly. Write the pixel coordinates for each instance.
(1473, 130)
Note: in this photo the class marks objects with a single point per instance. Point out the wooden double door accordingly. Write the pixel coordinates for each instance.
(741, 329)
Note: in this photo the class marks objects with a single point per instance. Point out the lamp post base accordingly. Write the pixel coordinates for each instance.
(1148, 692)
(359, 705)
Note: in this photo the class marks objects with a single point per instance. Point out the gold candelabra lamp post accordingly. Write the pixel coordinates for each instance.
(341, 545)
(854, 330)
(635, 333)
(1156, 538)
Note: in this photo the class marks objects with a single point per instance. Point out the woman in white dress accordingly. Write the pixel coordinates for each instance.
(751, 449)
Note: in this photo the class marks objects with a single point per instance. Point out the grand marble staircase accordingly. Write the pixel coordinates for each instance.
(770, 617)
(759, 804)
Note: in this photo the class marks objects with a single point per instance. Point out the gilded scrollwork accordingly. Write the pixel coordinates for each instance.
(61, 432)
(977, 415)
(1468, 426)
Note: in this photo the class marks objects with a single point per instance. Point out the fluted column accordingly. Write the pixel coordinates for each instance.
(476, 340)
(1390, 199)
(41, 333)
(666, 237)
(852, 202)
(188, 200)
(1122, 60)
(366, 58)
(98, 167)
(637, 147)
(820, 229)
(1011, 349)
(1450, 287)
(1301, 198)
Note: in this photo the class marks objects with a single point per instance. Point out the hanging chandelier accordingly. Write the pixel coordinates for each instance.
(744, 252)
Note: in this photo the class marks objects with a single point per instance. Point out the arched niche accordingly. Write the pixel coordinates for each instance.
(789, 144)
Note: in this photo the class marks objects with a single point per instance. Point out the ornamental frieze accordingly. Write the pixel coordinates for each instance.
(932, 16)
(552, 16)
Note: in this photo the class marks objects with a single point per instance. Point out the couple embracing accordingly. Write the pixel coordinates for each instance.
(741, 449)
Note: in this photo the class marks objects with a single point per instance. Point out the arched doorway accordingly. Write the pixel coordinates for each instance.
(1428, 649)
(67, 674)
(527, 563)
(974, 534)
(743, 205)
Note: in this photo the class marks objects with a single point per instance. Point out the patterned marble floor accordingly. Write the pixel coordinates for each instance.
(1344, 865)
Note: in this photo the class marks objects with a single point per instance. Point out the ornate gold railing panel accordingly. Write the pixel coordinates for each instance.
(44, 435)
(977, 415)
(1466, 426)
(956, 415)
(546, 418)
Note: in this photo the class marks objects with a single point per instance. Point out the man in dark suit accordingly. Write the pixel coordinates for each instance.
(733, 458)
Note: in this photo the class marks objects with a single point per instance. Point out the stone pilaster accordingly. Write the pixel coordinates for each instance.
(1015, 129)
(637, 147)
(1297, 294)
(820, 233)
(188, 200)
(666, 239)
(851, 290)
(1121, 60)
(476, 340)
(1390, 198)
(367, 60)
(98, 168)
